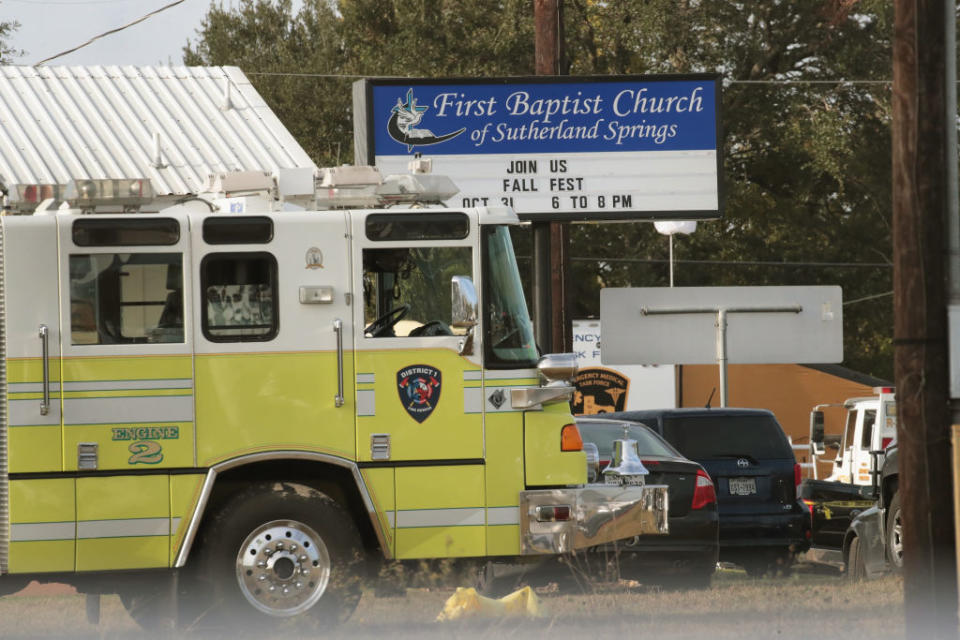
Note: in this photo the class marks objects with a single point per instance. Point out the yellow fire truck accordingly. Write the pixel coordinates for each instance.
(261, 401)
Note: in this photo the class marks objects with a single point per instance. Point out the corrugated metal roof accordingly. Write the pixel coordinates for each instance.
(63, 123)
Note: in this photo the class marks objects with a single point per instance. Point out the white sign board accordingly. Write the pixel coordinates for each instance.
(553, 148)
(764, 325)
(628, 387)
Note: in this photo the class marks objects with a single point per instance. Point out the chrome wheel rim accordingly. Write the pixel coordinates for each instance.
(896, 540)
(283, 568)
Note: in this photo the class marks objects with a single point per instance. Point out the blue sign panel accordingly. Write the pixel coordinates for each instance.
(621, 147)
(545, 118)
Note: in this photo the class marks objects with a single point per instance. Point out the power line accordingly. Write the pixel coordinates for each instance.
(839, 81)
(752, 263)
(865, 298)
(111, 31)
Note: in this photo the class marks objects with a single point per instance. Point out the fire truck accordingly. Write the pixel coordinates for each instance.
(243, 402)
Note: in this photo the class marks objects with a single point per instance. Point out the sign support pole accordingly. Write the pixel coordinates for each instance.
(550, 239)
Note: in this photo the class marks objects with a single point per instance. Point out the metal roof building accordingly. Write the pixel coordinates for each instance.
(173, 125)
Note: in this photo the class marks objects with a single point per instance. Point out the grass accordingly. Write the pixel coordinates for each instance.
(802, 605)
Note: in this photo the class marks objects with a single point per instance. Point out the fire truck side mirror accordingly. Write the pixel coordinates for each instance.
(816, 427)
(463, 299)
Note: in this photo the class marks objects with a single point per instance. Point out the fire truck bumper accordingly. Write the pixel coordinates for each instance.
(564, 520)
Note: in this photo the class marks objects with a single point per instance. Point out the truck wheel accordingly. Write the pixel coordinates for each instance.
(282, 551)
(894, 534)
(856, 568)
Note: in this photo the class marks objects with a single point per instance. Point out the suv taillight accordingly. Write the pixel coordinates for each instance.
(797, 473)
(703, 492)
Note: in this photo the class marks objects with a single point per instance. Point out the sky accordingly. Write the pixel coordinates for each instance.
(48, 27)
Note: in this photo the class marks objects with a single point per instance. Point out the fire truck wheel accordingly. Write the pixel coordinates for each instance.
(283, 551)
(895, 534)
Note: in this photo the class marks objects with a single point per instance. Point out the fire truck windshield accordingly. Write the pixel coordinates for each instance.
(508, 332)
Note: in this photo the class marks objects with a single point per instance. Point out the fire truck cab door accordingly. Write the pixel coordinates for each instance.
(128, 389)
(272, 292)
(411, 376)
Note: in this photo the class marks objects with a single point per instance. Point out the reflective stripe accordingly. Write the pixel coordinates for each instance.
(42, 531)
(92, 529)
(365, 378)
(440, 518)
(27, 413)
(472, 400)
(116, 385)
(526, 376)
(366, 402)
(123, 528)
(32, 387)
(503, 515)
(391, 518)
(476, 400)
(473, 375)
(128, 409)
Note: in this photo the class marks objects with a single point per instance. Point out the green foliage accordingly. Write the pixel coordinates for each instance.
(273, 46)
(806, 166)
(6, 51)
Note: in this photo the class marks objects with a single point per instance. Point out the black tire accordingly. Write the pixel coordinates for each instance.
(281, 552)
(894, 534)
(856, 567)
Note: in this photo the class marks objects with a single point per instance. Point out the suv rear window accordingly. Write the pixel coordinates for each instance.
(700, 437)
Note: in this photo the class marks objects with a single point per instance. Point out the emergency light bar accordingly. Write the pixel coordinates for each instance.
(415, 188)
(24, 198)
(126, 192)
(363, 186)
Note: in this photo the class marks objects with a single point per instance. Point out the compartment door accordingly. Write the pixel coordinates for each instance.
(42, 510)
(128, 390)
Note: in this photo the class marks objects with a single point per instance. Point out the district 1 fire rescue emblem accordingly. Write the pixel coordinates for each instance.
(599, 390)
(419, 387)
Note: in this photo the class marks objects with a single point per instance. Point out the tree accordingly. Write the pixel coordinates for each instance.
(275, 48)
(806, 165)
(7, 52)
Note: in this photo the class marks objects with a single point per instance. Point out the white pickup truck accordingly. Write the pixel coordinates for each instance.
(852, 486)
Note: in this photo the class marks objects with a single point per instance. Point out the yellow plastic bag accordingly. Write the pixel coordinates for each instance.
(468, 603)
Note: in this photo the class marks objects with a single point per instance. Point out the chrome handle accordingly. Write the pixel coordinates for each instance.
(45, 345)
(338, 329)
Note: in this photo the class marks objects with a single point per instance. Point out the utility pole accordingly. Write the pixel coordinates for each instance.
(550, 239)
(921, 347)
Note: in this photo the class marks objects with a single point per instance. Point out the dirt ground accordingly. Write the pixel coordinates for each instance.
(808, 604)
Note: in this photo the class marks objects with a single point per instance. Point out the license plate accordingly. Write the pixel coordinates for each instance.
(630, 480)
(743, 486)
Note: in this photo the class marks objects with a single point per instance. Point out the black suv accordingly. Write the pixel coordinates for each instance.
(763, 524)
